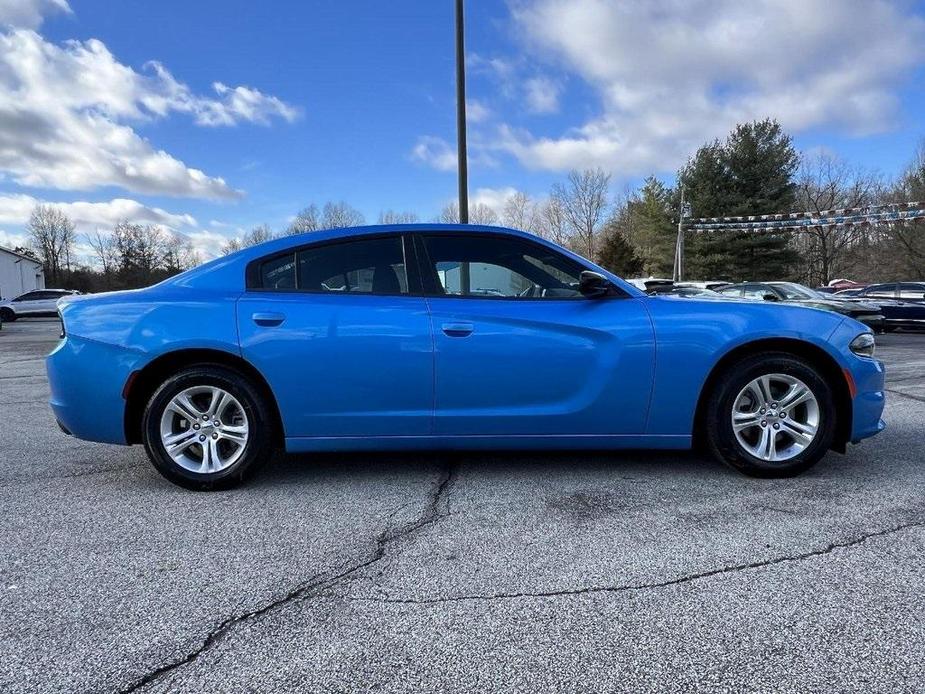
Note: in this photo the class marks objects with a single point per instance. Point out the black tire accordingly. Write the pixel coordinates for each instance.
(719, 430)
(257, 450)
(7, 315)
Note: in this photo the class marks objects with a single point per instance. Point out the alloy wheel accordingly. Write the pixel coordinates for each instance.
(775, 417)
(204, 429)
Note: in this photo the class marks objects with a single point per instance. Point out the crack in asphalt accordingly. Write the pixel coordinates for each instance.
(901, 394)
(437, 508)
(565, 592)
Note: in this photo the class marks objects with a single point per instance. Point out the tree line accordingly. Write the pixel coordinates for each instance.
(755, 170)
(126, 257)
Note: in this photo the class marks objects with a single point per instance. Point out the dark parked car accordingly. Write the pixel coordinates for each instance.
(793, 293)
(902, 303)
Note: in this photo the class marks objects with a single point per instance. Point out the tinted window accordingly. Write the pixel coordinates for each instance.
(29, 296)
(366, 266)
(278, 272)
(495, 266)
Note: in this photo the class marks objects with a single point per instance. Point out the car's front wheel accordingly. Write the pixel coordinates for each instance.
(207, 427)
(771, 415)
(7, 315)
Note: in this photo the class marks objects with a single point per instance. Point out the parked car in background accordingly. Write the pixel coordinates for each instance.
(688, 291)
(652, 285)
(902, 291)
(793, 293)
(373, 338)
(838, 285)
(37, 303)
(901, 303)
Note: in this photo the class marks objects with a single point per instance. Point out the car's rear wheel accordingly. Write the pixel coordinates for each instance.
(207, 427)
(771, 415)
(8, 315)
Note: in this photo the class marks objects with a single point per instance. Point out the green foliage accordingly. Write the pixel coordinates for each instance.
(654, 220)
(617, 255)
(751, 173)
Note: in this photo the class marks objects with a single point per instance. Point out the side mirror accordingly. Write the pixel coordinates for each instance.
(594, 285)
(770, 297)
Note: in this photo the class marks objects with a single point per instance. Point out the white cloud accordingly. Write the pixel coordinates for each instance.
(29, 14)
(208, 244)
(476, 111)
(65, 112)
(672, 75)
(434, 152)
(11, 241)
(16, 208)
(542, 95)
(495, 198)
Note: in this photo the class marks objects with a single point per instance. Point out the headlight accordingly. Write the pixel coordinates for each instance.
(61, 320)
(863, 345)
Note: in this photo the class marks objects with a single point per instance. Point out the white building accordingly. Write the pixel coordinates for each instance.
(18, 274)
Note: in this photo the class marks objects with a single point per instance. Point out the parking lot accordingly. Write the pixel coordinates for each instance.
(573, 572)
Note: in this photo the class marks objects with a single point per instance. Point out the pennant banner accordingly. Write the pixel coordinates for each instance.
(850, 216)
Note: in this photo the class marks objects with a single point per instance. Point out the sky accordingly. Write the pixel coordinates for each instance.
(212, 116)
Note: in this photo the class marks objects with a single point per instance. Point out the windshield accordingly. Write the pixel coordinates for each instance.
(797, 292)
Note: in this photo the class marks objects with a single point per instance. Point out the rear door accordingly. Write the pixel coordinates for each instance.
(342, 334)
(519, 351)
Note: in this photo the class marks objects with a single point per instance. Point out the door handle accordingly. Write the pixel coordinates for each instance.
(457, 329)
(268, 320)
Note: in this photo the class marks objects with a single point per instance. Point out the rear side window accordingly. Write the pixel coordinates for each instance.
(278, 272)
(365, 266)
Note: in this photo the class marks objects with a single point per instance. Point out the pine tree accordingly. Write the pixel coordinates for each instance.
(616, 254)
(751, 173)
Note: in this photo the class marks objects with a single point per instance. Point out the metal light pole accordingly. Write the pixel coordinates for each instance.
(461, 115)
(679, 247)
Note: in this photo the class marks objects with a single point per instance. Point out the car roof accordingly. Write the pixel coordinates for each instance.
(219, 272)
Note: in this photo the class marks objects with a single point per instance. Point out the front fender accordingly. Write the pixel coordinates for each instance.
(693, 336)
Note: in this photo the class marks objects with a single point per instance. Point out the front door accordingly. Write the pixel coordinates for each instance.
(519, 351)
(343, 344)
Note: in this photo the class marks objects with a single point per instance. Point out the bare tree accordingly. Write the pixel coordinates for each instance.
(259, 234)
(551, 222)
(105, 250)
(53, 236)
(906, 240)
(231, 246)
(584, 200)
(479, 213)
(519, 212)
(824, 183)
(309, 219)
(179, 254)
(339, 214)
(392, 217)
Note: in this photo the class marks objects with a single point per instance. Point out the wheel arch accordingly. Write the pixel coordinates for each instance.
(141, 385)
(813, 354)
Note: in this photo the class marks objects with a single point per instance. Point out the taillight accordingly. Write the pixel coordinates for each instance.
(61, 320)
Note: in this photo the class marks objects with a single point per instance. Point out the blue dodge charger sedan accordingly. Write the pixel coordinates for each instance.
(449, 337)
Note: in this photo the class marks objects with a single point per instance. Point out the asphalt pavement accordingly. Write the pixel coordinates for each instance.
(452, 573)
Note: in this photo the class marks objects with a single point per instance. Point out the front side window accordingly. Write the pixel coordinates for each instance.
(500, 267)
(28, 296)
(365, 266)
